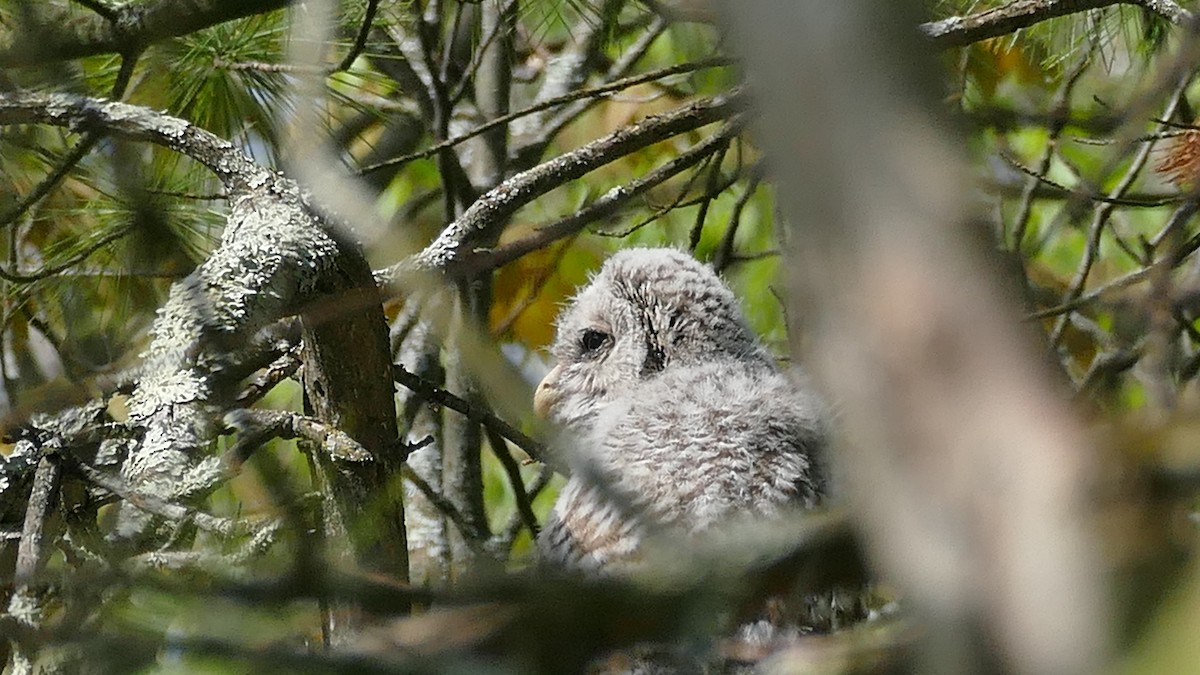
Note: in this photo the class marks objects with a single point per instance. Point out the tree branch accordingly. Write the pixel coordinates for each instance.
(435, 394)
(237, 171)
(959, 31)
(451, 252)
(57, 34)
(276, 257)
(524, 503)
(607, 204)
(581, 95)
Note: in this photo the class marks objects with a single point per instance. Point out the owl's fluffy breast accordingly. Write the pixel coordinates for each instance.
(691, 448)
(700, 444)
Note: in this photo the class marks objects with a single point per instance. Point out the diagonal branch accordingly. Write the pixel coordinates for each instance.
(606, 205)
(435, 394)
(959, 31)
(572, 97)
(452, 251)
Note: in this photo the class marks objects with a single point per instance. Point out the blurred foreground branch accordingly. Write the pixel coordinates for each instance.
(966, 470)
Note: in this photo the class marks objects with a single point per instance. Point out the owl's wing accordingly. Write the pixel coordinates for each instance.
(586, 532)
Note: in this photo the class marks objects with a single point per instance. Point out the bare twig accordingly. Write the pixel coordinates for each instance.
(48, 183)
(724, 255)
(1101, 216)
(1061, 99)
(445, 399)
(471, 534)
(531, 148)
(524, 503)
(51, 270)
(592, 92)
(540, 278)
(711, 190)
(503, 539)
(360, 40)
(1064, 192)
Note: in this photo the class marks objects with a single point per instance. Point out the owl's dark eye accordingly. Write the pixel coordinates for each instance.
(592, 340)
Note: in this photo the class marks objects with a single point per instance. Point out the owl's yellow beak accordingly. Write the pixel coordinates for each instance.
(547, 393)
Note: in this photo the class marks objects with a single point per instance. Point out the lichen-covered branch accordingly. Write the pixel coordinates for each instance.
(276, 257)
(24, 604)
(959, 31)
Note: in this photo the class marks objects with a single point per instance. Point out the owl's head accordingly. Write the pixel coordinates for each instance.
(646, 311)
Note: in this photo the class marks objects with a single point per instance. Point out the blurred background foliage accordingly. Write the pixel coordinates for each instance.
(1059, 118)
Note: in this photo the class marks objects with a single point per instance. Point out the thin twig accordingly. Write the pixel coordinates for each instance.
(523, 501)
(477, 60)
(618, 70)
(1101, 216)
(504, 539)
(471, 534)
(361, 40)
(1061, 101)
(436, 394)
(724, 254)
(710, 193)
(1068, 193)
(715, 62)
(542, 276)
(676, 203)
(1095, 294)
(51, 270)
(43, 188)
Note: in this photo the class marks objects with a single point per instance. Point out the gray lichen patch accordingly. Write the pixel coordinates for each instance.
(273, 253)
(124, 113)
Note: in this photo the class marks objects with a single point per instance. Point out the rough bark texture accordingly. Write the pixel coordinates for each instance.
(348, 382)
(46, 33)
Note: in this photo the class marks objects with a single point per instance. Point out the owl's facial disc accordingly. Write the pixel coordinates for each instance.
(645, 312)
(592, 343)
